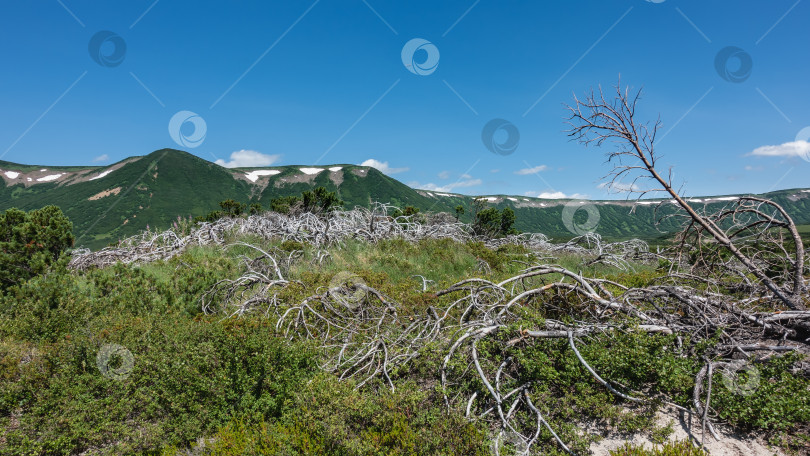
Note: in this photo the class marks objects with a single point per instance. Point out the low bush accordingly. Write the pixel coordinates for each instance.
(30, 242)
(328, 417)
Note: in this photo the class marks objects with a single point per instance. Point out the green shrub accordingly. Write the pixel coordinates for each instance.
(459, 211)
(775, 399)
(231, 208)
(291, 246)
(284, 204)
(187, 379)
(320, 200)
(332, 418)
(488, 221)
(679, 448)
(255, 208)
(31, 242)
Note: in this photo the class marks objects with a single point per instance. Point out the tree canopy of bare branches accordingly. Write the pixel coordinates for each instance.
(758, 236)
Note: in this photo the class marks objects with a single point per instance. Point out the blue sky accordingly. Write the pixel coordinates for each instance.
(323, 82)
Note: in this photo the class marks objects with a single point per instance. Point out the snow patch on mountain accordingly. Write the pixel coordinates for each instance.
(253, 176)
(102, 174)
(310, 171)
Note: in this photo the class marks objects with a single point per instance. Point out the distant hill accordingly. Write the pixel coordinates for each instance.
(107, 203)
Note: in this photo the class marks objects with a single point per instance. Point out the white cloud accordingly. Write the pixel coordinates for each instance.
(101, 158)
(248, 159)
(383, 166)
(753, 168)
(444, 175)
(446, 188)
(494, 170)
(789, 149)
(536, 169)
(555, 195)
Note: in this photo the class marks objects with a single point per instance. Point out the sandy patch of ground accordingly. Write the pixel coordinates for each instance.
(688, 427)
(99, 195)
(295, 178)
(336, 175)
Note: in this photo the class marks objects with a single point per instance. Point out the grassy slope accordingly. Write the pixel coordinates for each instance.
(354, 190)
(153, 190)
(618, 222)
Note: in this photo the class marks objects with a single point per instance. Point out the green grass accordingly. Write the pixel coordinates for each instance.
(243, 389)
(804, 232)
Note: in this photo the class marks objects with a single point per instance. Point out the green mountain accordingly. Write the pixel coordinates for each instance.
(107, 203)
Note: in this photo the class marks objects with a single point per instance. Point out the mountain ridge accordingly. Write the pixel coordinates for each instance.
(110, 202)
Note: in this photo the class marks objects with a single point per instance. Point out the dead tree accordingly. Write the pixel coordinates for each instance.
(750, 220)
